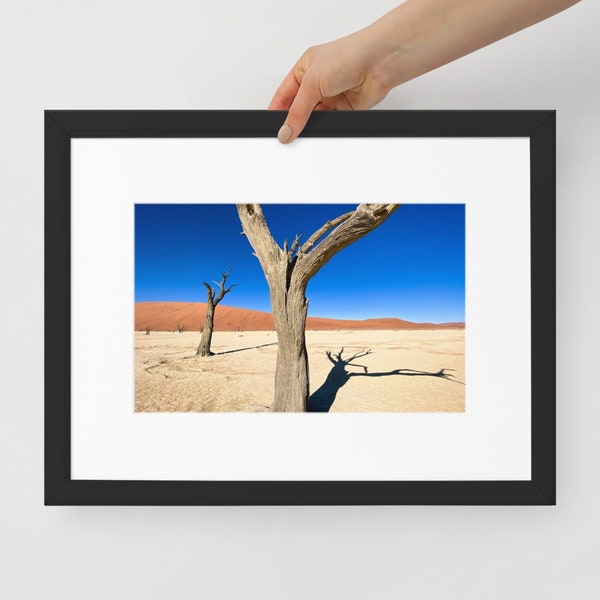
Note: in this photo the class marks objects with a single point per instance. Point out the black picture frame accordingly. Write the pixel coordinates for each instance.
(63, 126)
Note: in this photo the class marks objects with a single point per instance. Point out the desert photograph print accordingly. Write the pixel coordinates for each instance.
(299, 308)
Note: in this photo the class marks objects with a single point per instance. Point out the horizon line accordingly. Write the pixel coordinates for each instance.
(267, 312)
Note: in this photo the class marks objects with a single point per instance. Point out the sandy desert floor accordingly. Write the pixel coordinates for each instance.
(406, 371)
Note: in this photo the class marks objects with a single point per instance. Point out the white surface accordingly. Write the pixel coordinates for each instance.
(195, 54)
(490, 176)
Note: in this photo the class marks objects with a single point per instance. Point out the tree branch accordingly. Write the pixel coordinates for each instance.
(257, 231)
(211, 292)
(351, 227)
(222, 290)
(317, 235)
(295, 246)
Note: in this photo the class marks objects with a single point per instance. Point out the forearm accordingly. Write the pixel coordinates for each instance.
(357, 71)
(421, 35)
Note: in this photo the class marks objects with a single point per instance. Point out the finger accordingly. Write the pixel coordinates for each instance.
(306, 99)
(286, 92)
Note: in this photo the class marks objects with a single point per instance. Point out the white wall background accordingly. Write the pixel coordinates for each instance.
(196, 54)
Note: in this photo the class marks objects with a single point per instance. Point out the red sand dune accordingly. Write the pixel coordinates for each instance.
(164, 316)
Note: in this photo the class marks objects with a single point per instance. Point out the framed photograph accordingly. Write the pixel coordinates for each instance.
(365, 316)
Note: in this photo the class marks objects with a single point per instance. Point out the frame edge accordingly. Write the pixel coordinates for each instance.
(57, 308)
(543, 302)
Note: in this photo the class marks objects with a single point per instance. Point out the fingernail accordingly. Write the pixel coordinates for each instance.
(285, 133)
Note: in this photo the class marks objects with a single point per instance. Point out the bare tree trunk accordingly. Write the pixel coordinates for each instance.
(211, 303)
(292, 389)
(288, 271)
(207, 331)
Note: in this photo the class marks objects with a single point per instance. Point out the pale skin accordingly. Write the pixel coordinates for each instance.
(359, 70)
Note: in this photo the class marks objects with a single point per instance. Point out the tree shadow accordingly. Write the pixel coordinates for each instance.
(242, 349)
(323, 398)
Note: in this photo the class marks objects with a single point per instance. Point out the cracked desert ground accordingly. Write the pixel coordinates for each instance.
(405, 371)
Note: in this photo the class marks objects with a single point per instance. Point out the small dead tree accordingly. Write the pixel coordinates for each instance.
(180, 328)
(288, 271)
(148, 330)
(213, 298)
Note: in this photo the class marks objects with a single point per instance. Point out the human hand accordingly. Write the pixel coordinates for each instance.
(339, 75)
(357, 71)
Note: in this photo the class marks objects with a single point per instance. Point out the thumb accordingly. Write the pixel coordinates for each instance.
(306, 99)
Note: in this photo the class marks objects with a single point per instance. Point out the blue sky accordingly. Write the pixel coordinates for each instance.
(411, 267)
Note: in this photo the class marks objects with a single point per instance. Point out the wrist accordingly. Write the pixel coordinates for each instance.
(387, 53)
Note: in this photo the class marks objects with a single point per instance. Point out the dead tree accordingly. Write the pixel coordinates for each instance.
(288, 271)
(180, 328)
(148, 330)
(212, 300)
